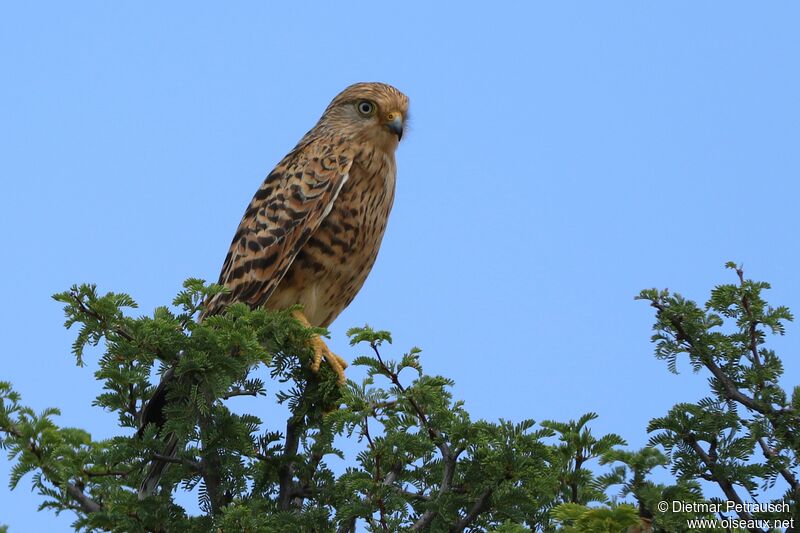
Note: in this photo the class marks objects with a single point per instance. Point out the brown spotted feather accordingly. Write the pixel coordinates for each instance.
(311, 234)
(288, 207)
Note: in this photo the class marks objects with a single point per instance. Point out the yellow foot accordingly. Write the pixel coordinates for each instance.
(321, 351)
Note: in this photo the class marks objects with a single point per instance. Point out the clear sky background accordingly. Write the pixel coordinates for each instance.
(561, 157)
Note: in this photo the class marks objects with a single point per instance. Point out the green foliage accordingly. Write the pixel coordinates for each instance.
(631, 474)
(746, 435)
(577, 446)
(427, 465)
(422, 463)
(581, 519)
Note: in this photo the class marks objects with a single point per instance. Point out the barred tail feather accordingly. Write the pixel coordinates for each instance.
(157, 468)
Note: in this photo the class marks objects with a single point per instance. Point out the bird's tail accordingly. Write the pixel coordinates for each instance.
(153, 413)
(157, 468)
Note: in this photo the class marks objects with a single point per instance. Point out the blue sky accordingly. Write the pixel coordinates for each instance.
(562, 157)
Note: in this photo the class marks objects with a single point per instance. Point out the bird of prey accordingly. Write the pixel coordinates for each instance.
(313, 229)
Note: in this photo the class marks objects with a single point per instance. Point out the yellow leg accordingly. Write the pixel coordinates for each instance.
(321, 351)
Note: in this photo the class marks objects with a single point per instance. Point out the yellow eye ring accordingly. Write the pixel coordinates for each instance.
(366, 108)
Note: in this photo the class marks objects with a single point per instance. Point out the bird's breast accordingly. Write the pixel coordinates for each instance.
(330, 269)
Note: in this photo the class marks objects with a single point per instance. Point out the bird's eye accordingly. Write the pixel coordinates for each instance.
(366, 108)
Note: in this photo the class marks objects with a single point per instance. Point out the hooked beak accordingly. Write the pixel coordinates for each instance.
(395, 124)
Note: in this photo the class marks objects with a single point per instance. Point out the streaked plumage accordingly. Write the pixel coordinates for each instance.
(313, 229)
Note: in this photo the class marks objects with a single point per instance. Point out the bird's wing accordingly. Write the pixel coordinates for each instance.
(287, 208)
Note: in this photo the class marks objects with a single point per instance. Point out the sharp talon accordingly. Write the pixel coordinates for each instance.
(337, 364)
(321, 351)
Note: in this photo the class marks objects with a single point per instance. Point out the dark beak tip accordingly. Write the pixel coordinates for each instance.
(396, 126)
(397, 129)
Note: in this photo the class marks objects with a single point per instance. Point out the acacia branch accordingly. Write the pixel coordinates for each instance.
(117, 330)
(753, 328)
(377, 476)
(477, 508)
(131, 407)
(192, 465)
(347, 526)
(449, 457)
(424, 521)
(413, 495)
(211, 463)
(434, 434)
(787, 474)
(85, 309)
(87, 504)
(724, 483)
(305, 490)
(110, 473)
(291, 492)
(286, 470)
(731, 390)
(238, 392)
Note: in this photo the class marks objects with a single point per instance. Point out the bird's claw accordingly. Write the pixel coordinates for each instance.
(321, 351)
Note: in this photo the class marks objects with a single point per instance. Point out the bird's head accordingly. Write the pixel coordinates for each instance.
(373, 113)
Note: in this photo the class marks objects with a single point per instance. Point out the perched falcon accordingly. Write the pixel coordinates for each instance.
(313, 229)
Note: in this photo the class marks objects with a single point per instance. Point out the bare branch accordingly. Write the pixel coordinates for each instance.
(87, 504)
